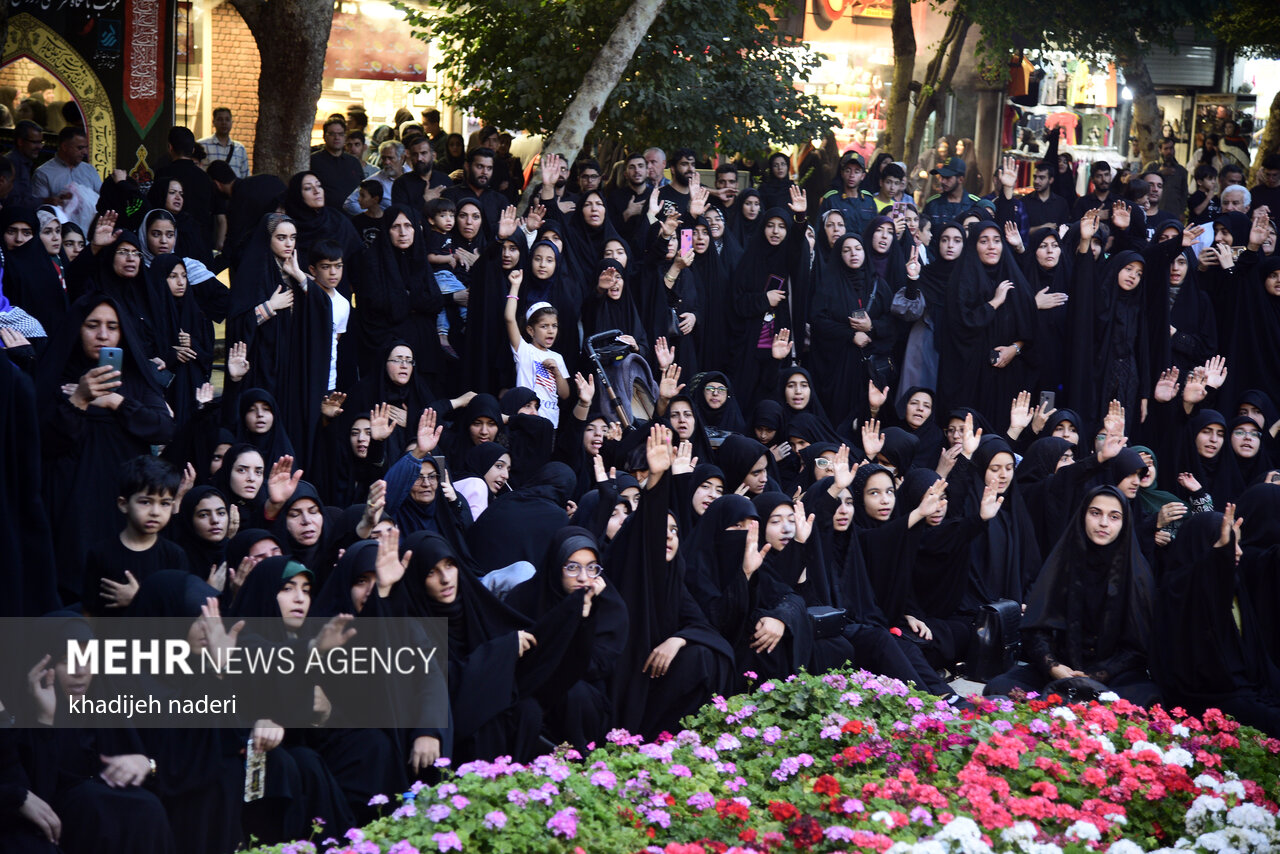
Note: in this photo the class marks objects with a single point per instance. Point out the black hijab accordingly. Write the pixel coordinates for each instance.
(929, 436)
(201, 554)
(31, 280)
(274, 443)
(727, 417)
(1254, 356)
(1219, 476)
(736, 456)
(316, 226)
(1005, 557)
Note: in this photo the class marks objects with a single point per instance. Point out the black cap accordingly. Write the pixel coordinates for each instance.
(951, 168)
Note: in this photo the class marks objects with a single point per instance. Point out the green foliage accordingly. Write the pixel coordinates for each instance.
(1250, 27)
(700, 77)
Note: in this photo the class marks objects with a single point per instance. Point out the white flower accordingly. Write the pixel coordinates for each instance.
(1251, 815)
(1064, 713)
(1139, 746)
(1021, 830)
(1124, 846)
(1116, 818)
(929, 846)
(1205, 781)
(1178, 756)
(1108, 697)
(1232, 787)
(1105, 741)
(883, 817)
(961, 827)
(1180, 730)
(1084, 831)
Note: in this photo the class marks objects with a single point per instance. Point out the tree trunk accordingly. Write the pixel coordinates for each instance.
(937, 81)
(904, 68)
(599, 82)
(1270, 143)
(1146, 112)
(292, 36)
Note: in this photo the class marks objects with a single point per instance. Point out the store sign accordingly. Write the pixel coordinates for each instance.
(831, 11)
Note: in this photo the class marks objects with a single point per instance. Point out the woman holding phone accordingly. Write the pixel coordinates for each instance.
(100, 404)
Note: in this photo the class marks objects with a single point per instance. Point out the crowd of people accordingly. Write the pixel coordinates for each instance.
(867, 425)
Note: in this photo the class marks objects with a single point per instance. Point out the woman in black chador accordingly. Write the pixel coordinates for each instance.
(1090, 611)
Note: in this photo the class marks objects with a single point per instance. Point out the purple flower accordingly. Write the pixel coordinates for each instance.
(402, 847)
(447, 841)
(701, 801)
(706, 754)
(1002, 725)
(659, 817)
(726, 768)
(687, 737)
(459, 802)
(750, 732)
(838, 833)
(727, 741)
(367, 847)
(766, 687)
(915, 703)
(405, 811)
(735, 784)
(438, 812)
(445, 789)
(680, 771)
(720, 703)
(604, 779)
(852, 698)
(445, 762)
(355, 834)
(1039, 726)
(563, 823)
(750, 674)
(772, 734)
(495, 820)
(377, 800)
(805, 760)
(852, 805)
(519, 798)
(923, 816)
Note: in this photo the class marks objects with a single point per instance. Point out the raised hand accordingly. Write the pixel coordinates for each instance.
(804, 523)
(1190, 235)
(507, 222)
(872, 438)
(781, 346)
(1196, 387)
(374, 504)
(876, 397)
(698, 200)
(1009, 174)
(990, 504)
(282, 481)
(1020, 412)
(780, 451)
(670, 384)
(1167, 386)
(389, 564)
(753, 555)
(799, 201)
(515, 278)
(913, 263)
(1120, 214)
(969, 438)
(184, 486)
(1189, 482)
(1112, 445)
(1230, 527)
(1001, 294)
(1041, 417)
(947, 460)
(663, 352)
(1259, 230)
(1215, 371)
(685, 462)
(331, 406)
(1113, 421)
(658, 451)
(105, 232)
(586, 389)
(204, 395)
(1088, 228)
(602, 476)
(237, 361)
(428, 433)
(934, 499)
(1013, 237)
(842, 474)
(613, 433)
(380, 422)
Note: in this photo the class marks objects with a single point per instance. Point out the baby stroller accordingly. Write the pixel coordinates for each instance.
(625, 387)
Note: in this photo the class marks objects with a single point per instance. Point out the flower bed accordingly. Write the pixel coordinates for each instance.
(856, 762)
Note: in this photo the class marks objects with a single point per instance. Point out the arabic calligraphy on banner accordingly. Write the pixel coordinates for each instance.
(97, 7)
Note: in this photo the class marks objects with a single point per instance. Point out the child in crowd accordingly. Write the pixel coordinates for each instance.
(442, 213)
(149, 494)
(326, 269)
(538, 367)
(1203, 206)
(369, 197)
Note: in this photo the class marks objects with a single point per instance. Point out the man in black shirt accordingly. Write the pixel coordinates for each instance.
(197, 189)
(249, 199)
(627, 203)
(476, 174)
(1156, 215)
(683, 171)
(1267, 192)
(420, 184)
(1101, 196)
(1044, 207)
(338, 171)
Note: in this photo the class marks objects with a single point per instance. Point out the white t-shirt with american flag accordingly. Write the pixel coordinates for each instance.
(531, 374)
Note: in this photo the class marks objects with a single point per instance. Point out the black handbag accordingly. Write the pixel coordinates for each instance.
(996, 639)
(880, 370)
(827, 621)
(1076, 689)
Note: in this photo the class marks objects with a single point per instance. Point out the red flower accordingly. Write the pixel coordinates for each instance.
(853, 727)
(781, 811)
(805, 832)
(678, 848)
(826, 785)
(748, 835)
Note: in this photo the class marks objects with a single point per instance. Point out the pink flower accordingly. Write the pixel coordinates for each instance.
(447, 841)
(604, 779)
(355, 834)
(459, 802)
(405, 811)
(377, 800)
(564, 823)
(495, 820)
(438, 812)
(680, 771)
(402, 847)
(772, 734)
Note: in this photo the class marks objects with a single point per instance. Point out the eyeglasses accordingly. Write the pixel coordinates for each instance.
(573, 570)
(401, 361)
(823, 463)
(128, 253)
(715, 389)
(428, 478)
(1246, 434)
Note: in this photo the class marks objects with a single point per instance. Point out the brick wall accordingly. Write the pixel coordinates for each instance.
(235, 73)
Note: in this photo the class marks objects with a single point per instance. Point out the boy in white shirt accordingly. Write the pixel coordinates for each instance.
(538, 367)
(326, 269)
